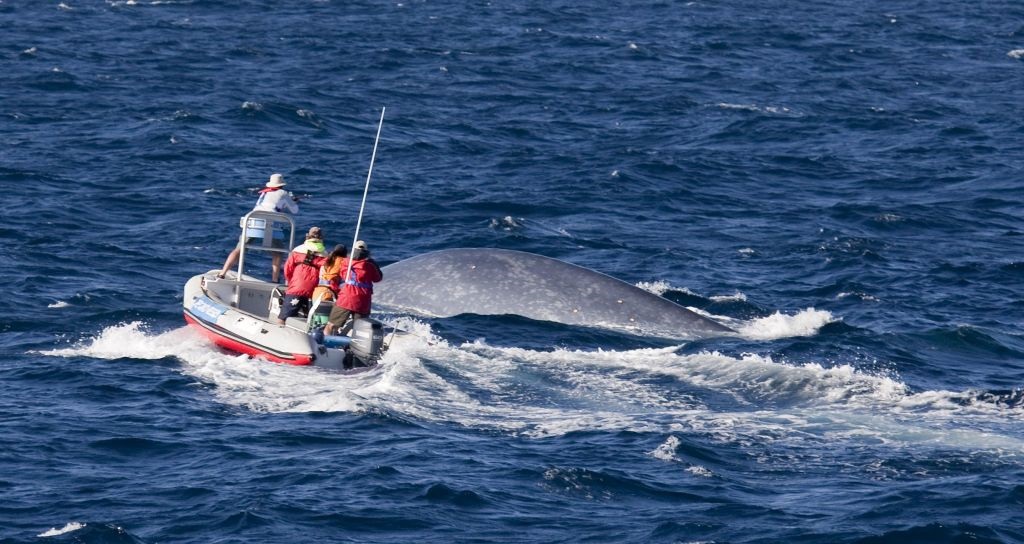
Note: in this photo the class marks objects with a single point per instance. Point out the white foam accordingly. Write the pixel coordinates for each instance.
(774, 110)
(507, 223)
(1016, 54)
(778, 325)
(748, 107)
(889, 218)
(58, 304)
(862, 296)
(747, 399)
(661, 287)
(698, 470)
(69, 528)
(667, 450)
(240, 380)
(735, 297)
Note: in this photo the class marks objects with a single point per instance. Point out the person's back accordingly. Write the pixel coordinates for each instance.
(330, 274)
(273, 198)
(356, 293)
(302, 270)
(302, 273)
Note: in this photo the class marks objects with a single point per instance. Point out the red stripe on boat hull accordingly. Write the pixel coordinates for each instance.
(299, 359)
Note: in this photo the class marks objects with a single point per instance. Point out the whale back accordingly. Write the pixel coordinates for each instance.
(499, 281)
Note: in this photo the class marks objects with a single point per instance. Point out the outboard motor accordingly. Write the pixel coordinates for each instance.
(367, 342)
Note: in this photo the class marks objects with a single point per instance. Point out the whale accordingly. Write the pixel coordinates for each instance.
(487, 281)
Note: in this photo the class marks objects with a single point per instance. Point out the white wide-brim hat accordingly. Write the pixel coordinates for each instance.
(276, 180)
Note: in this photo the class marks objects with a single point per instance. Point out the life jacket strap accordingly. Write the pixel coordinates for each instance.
(363, 284)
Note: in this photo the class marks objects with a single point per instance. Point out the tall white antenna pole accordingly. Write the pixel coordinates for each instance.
(366, 190)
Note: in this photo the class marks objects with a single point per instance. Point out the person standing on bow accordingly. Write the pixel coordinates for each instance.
(302, 273)
(356, 291)
(272, 199)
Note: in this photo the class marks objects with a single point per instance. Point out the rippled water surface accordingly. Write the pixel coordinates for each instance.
(840, 182)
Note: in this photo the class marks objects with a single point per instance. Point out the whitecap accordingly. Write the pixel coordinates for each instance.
(507, 223)
(889, 218)
(70, 527)
(747, 107)
(58, 304)
(862, 296)
(735, 297)
(657, 287)
(1016, 54)
(698, 470)
(667, 450)
(661, 287)
(778, 325)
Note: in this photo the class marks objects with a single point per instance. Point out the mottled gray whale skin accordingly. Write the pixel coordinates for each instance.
(500, 281)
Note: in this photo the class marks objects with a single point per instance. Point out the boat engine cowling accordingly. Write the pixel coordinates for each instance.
(367, 341)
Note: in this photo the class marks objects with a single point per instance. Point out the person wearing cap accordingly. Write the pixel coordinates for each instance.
(272, 199)
(302, 274)
(356, 291)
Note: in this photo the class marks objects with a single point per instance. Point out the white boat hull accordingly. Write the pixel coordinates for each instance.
(211, 305)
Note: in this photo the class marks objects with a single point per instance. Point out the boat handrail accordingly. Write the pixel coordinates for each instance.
(255, 225)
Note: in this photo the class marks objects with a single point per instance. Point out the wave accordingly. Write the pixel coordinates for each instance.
(93, 532)
(282, 114)
(806, 322)
(69, 528)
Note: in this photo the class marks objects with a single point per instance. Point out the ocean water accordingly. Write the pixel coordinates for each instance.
(842, 182)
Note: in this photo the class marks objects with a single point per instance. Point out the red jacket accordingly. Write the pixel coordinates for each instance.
(355, 294)
(302, 271)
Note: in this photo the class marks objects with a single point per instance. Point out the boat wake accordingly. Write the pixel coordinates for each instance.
(537, 393)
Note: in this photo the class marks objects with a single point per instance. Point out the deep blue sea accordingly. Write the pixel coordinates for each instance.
(843, 182)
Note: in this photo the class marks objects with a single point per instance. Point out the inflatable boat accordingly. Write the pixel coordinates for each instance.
(238, 312)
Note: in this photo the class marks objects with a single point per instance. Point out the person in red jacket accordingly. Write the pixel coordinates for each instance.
(302, 274)
(356, 292)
